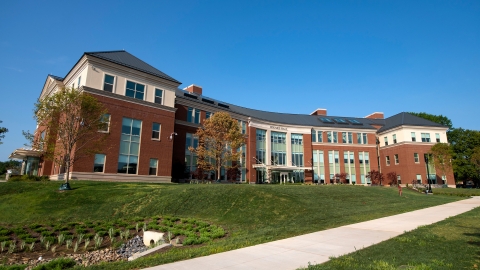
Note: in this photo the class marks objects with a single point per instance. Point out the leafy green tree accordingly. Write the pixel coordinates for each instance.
(3, 130)
(475, 159)
(440, 119)
(218, 142)
(7, 165)
(71, 119)
(463, 142)
(442, 158)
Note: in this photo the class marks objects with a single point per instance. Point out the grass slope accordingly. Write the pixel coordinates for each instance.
(251, 214)
(450, 244)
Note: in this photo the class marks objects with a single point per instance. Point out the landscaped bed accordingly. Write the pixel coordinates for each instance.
(251, 214)
(20, 244)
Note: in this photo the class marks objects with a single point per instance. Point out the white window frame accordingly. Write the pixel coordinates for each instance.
(155, 95)
(416, 158)
(108, 126)
(159, 131)
(104, 162)
(145, 92)
(387, 160)
(156, 168)
(397, 161)
(114, 82)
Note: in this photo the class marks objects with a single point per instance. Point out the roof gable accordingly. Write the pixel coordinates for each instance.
(128, 60)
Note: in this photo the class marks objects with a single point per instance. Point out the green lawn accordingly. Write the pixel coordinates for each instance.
(450, 244)
(465, 192)
(250, 214)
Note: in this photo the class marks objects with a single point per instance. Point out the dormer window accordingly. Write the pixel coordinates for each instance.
(158, 96)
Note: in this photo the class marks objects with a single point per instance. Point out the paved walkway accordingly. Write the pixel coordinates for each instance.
(317, 247)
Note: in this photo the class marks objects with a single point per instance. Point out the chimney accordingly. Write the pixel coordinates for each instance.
(375, 115)
(319, 112)
(194, 89)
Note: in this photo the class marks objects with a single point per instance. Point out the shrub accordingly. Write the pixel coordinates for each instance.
(34, 226)
(137, 219)
(81, 230)
(24, 236)
(47, 233)
(102, 233)
(40, 229)
(131, 227)
(4, 232)
(61, 263)
(30, 240)
(28, 178)
(13, 267)
(19, 230)
(4, 238)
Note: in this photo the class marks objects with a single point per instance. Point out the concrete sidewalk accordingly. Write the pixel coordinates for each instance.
(317, 247)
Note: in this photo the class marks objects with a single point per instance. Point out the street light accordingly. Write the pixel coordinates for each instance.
(428, 175)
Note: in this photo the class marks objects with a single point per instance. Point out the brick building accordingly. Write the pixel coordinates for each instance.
(152, 123)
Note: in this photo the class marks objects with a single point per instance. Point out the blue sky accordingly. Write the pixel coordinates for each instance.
(350, 57)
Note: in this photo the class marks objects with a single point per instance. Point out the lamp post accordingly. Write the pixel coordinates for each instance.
(428, 175)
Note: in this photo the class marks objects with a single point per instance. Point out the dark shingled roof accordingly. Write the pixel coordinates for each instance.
(128, 60)
(407, 119)
(286, 118)
(56, 77)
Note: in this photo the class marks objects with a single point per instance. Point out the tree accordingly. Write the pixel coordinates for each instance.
(375, 176)
(341, 177)
(218, 142)
(440, 119)
(392, 178)
(475, 159)
(3, 130)
(442, 158)
(71, 119)
(463, 142)
(7, 165)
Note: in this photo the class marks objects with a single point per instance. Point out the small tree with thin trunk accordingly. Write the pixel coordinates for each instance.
(72, 120)
(392, 178)
(218, 142)
(442, 158)
(376, 177)
(342, 177)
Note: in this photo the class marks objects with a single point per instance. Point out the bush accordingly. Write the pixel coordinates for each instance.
(34, 226)
(102, 233)
(57, 264)
(13, 267)
(81, 230)
(19, 231)
(4, 238)
(30, 240)
(28, 178)
(4, 232)
(47, 233)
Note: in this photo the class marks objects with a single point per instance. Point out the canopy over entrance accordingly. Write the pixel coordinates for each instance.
(30, 158)
(23, 153)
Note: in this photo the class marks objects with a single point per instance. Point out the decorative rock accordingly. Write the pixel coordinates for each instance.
(131, 247)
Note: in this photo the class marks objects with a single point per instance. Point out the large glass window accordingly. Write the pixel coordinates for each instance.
(129, 146)
(329, 137)
(191, 157)
(158, 96)
(135, 90)
(261, 145)
(314, 135)
(193, 115)
(108, 83)
(278, 148)
(156, 131)
(297, 150)
(243, 126)
(364, 161)
(99, 163)
(153, 166)
(318, 166)
(362, 138)
(349, 163)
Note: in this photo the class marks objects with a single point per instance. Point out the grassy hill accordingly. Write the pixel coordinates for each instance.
(250, 214)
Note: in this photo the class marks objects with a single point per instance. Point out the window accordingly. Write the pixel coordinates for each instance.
(79, 81)
(319, 136)
(99, 163)
(362, 138)
(153, 166)
(156, 131)
(335, 137)
(105, 123)
(129, 146)
(437, 137)
(208, 115)
(135, 90)
(193, 115)
(108, 83)
(297, 149)
(415, 157)
(419, 178)
(347, 137)
(158, 96)
(386, 140)
(191, 157)
(414, 138)
(314, 135)
(329, 136)
(394, 138)
(42, 139)
(396, 158)
(399, 179)
(425, 137)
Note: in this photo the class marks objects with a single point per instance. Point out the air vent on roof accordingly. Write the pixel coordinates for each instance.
(190, 96)
(223, 105)
(326, 120)
(354, 122)
(341, 121)
(208, 101)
